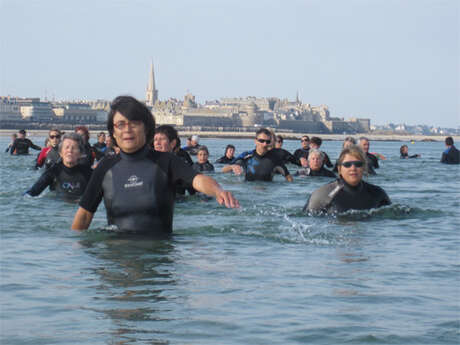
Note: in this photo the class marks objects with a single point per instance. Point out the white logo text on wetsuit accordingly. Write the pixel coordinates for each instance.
(133, 181)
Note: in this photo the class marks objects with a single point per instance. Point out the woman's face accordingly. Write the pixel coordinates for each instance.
(352, 174)
(130, 135)
(202, 157)
(70, 153)
(230, 152)
(161, 143)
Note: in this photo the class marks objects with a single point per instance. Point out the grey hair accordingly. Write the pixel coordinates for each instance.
(75, 137)
(363, 138)
(318, 152)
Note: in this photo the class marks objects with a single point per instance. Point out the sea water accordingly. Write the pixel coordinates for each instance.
(265, 273)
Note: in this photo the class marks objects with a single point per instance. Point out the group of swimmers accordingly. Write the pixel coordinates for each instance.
(139, 169)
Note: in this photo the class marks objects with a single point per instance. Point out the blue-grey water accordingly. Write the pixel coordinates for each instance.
(262, 274)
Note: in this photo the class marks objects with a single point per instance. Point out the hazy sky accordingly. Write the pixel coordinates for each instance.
(391, 61)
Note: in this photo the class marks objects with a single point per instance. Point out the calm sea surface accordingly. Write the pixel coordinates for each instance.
(262, 274)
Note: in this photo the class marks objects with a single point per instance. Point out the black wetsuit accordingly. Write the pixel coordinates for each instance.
(225, 160)
(192, 150)
(184, 156)
(21, 146)
(321, 172)
(451, 156)
(99, 150)
(301, 153)
(52, 157)
(180, 188)
(262, 168)
(372, 163)
(338, 196)
(87, 157)
(285, 156)
(138, 190)
(199, 167)
(406, 156)
(67, 182)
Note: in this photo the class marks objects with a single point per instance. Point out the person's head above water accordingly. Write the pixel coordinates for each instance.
(130, 123)
(403, 150)
(315, 159)
(70, 149)
(449, 141)
(165, 139)
(279, 141)
(305, 142)
(230, 151)
(352, 165)
(263, 141)
(364, 143)
(315, 142)
(54, 136)
(348, 141)
(84, 132)
(202, 155)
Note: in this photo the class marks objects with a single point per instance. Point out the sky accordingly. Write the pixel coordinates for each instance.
(390, 61)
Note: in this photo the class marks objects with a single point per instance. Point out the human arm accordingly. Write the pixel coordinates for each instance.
(237, 169)
(209, 186)
(44, 181)
(289, 178)
(82, 219)
(32, 145)
(12, 148)
(42, 156)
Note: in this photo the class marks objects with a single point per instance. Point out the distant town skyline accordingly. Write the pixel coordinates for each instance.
(389, 61)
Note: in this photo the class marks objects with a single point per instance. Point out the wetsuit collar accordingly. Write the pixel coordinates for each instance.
(351, 188)
(141, 153)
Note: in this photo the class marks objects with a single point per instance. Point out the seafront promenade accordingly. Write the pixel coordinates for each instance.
(287, 136)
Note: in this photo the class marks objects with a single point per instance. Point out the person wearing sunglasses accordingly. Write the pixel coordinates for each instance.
(50, 155)
(262, 163)
(301, 154)
(349, 191)
(138, 184)
(67, 177)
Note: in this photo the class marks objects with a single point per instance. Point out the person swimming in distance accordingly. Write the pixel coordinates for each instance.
(261, 164)
(13, 138)
(138, 184)
(451, 155)
(21, 144)
(50, 155)
(315, 165)
(202, 164)
(229, 155)
(349, 191)
(67, 177)
(404, 153)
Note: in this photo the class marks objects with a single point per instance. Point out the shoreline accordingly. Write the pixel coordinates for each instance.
(286, 136)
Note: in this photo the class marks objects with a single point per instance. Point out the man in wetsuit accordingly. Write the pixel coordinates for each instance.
(261, 164)
(372, 161)
(451, 155)
(229, 155)
(21, 145)
(301, 154)
(315, 165)
(349, 191)
(100, 147)
(285, 156)
(50, 155)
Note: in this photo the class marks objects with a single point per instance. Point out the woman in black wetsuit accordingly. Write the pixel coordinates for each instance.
(66, 177)
(202, 163)
(349, 191)
(404, 151)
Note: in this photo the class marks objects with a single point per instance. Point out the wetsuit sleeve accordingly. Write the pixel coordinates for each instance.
(385, 198)
(321, 198)
(94, 192)
(327, 161)
(180, 171)
(32, 145)
(44, 181)
(291, 159)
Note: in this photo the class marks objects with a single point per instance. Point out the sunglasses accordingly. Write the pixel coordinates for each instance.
(264, 141)
(305, 140)
(121, 125)
(279, 141)
(357, 164)
(54, 136)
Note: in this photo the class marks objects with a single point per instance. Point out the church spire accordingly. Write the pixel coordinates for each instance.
(152, 93)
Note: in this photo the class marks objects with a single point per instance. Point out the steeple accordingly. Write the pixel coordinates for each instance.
(152, 93)
(297, 99)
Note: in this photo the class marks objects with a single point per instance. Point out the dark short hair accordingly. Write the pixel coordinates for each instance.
(449, 141)
(305, 136)
(100, 134)
(264, 131)
(316, 140)
(203, 148)
(54, 129)
(133, 110)
(401, 149)
(169, 131)
(22, 131)
(229, 146)
(279, 138)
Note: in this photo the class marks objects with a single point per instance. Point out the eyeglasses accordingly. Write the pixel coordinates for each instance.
(55, 136)
(121, 125)
(268, 141)
(348, 164)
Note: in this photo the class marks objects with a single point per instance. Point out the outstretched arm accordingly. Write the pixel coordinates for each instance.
(209, 186)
